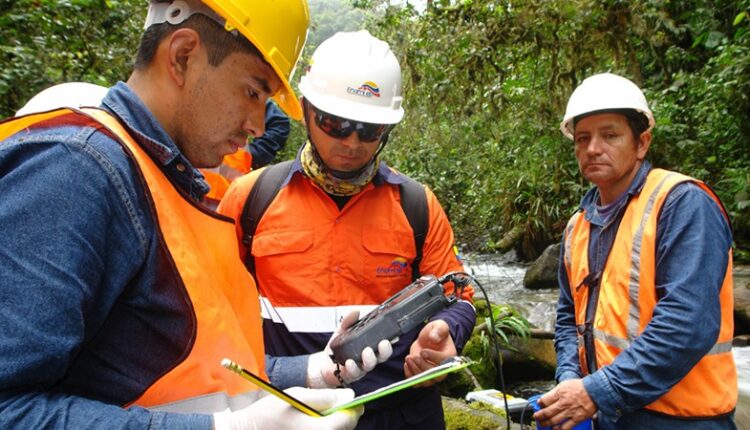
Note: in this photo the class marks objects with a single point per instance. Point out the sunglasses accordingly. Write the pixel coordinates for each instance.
(340, 128)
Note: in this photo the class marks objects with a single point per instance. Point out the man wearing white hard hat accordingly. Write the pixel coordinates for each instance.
(120, 294)
(645, 316)
(337, 235)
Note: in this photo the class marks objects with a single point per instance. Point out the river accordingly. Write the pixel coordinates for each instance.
(502, 279)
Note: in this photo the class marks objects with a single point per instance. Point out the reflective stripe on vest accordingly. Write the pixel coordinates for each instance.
(627, 300)
(203, 249)
(319, 319)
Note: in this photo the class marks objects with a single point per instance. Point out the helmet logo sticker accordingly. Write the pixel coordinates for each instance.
(367, 89)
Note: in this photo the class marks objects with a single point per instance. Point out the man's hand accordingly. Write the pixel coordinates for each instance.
(565, 405)
(433, 345)
(321, 370)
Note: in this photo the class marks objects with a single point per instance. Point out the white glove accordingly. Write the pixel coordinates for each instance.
(321, 370)
(270, 412)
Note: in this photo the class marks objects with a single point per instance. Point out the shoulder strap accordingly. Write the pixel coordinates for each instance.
(414, 204)
(264, 190)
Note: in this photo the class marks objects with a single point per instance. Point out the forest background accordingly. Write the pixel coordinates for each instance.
(485, 86)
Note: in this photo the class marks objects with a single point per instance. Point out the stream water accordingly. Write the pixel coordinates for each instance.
(502, 278)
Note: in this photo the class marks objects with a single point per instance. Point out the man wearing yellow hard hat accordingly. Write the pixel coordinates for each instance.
(120, 293)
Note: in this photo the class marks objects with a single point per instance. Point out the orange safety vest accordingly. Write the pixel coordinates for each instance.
(232, 167)
(203, 250)
(627, 299)
(347, 259)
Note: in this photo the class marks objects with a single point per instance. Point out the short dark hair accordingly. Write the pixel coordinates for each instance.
(637, 121)
(219, 42)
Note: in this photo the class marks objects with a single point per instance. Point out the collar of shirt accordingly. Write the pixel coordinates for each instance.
(124, 104)
(385, 174)
(589, 201)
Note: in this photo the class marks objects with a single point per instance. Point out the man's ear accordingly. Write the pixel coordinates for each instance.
(183, 48)
(644, 141)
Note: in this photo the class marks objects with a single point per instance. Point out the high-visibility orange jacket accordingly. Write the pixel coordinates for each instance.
(202, 249)
(309, 254)
(627, 299)
(314, 263)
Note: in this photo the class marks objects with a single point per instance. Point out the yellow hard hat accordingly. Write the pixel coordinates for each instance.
(278, 28)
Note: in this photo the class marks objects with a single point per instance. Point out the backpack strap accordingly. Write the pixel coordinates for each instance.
(414, 204)
(264, 190)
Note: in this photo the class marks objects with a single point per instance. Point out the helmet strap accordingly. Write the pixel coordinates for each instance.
(177, 11)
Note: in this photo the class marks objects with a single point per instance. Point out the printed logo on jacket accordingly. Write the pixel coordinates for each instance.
(396, 268)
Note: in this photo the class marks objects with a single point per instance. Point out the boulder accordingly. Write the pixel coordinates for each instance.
(542, 273)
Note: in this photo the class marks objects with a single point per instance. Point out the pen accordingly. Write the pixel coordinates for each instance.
(236, 368)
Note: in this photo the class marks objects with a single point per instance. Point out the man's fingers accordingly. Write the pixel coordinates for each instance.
(552, 415)
(432, 357)
(321, 399)
(352, 370)
(416, 364)
(349, 320)
(433, 333)
(385, 349)
(439, 333)
(369, 360)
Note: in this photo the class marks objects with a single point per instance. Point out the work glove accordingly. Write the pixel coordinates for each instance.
(270, 412)
(323, 372)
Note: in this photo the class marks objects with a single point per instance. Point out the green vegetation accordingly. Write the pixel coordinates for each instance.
(485, 84)
(510, 326)
(46, 42)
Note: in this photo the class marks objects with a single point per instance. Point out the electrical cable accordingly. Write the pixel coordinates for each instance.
(523, 413)
(460, 278)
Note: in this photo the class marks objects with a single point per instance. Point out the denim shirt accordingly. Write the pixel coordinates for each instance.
(88, 320)
(692, 241)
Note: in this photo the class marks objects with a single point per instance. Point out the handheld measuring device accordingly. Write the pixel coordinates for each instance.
(396, 316)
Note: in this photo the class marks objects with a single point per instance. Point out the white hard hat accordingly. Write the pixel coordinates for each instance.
(605, 91)
(70, 94)
(355, 76)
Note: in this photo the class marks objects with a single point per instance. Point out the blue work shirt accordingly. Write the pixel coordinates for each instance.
(89, 315)
(692, 242)
(265, 147)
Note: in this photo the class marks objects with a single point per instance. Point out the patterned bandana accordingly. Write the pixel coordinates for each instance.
(319, 173)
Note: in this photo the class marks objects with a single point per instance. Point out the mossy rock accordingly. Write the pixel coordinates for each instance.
(472, 416)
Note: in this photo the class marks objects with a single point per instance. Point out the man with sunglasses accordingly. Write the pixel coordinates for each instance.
(645, 315)
(335, 237)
